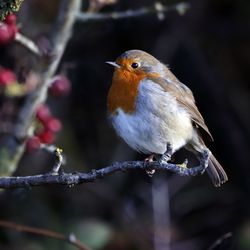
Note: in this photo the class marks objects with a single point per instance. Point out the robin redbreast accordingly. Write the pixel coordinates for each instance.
(156, 114)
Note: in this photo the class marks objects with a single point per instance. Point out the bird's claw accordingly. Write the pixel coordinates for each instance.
(204, 160)
(167, 155)
(169, 150)
(164, 159)
(150, 172)
(150, 158)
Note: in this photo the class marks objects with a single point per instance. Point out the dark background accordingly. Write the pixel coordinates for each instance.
(208, 50)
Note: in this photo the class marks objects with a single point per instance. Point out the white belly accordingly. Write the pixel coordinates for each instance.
(158, 120)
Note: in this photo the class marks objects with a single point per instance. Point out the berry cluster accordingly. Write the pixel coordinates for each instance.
(47, 124)
(8, 29)
(47, 127)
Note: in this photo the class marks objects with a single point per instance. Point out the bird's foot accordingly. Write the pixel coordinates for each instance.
(204, 159)
(167, 155)
(150, 172)
(150, 158)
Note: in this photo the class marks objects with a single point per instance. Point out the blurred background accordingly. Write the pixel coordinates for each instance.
(208, 49)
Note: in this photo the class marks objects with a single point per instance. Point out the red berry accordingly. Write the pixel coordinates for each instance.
(10, 19)
(7, 33)
(47, 137)
(7, 77)
(60, 87)
(43, 113)
(33, 144)
(53, 124)
(14, 28)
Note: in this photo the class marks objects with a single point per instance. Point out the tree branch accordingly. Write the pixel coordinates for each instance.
(45, 232)
(156, 9)
(27, 43)
(71, 179)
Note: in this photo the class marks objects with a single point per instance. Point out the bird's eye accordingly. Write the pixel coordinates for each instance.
(134, 65)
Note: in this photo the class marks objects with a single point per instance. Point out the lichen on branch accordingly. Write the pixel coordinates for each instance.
(9, 6)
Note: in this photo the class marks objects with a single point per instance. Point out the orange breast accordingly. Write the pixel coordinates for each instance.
(123, 91)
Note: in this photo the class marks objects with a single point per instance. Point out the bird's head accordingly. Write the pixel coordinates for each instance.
(138, 63)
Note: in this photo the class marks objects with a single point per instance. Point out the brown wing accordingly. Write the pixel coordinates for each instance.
(186, 99)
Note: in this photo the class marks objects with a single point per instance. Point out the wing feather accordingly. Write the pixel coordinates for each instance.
(185, 98)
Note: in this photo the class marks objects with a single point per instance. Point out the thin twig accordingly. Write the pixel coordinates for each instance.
(76, 178)
(59, 156)
(221, 240)
(156, 9)
(27, 43)
(45, 232)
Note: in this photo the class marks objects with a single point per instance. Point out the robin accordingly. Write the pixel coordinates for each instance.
(156, 114)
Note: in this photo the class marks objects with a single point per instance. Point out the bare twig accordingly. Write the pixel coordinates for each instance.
(27, 43)
(221, 240)
(59, 156)
(45, 232)
(72, 179)
(156, 9)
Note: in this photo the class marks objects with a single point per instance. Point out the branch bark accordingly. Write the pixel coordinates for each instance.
(156, 9)
(27, 43)
(71, 179)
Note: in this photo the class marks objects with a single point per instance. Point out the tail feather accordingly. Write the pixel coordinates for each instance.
(216, 172)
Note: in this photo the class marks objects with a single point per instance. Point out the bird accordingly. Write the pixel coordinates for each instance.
(156, 114)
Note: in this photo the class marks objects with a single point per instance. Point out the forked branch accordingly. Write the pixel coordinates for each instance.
(71, 179)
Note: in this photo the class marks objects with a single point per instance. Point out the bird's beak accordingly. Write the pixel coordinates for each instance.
(114, 64)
